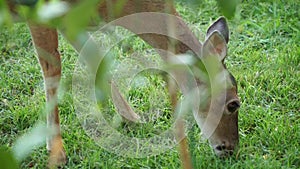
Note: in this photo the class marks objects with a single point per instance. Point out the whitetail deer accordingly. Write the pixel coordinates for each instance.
(224, 138)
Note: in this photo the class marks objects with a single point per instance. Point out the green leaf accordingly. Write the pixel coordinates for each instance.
(76, 20)
(7, 159)
(228, 7)
(5, 18)
(52, 10)
(31, 140)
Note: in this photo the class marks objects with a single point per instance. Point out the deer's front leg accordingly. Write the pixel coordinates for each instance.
(46, 44)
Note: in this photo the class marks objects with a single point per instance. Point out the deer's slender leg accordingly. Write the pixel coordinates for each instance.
(46, 44)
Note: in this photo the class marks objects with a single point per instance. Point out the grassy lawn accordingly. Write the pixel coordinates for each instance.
(264, 56)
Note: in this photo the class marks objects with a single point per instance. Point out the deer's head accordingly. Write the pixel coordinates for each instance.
(218, 119)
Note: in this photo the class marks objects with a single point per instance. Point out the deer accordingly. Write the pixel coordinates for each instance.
(223, 140)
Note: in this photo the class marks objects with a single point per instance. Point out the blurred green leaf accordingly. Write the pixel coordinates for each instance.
(183, 59)
(102, 77)
(28, 12)
(52, 10)
(228, 7)
(31, 140)
(7, 159)
(4, 14)
(76, 20)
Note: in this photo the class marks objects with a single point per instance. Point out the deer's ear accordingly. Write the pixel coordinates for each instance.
(215, 45)
(221, 26)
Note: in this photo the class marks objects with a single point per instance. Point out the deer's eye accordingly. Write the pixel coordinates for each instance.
(233, 106)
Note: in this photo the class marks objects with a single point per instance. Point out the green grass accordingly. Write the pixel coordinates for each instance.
(264, 56)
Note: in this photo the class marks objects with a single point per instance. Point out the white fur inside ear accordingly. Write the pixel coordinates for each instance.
(215, 45)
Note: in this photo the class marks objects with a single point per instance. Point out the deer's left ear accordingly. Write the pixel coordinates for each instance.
(215, 45)
(221, 26)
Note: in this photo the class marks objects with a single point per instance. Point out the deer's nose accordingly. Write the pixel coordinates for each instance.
(224, 149)
(224, 146)
(221, 147)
